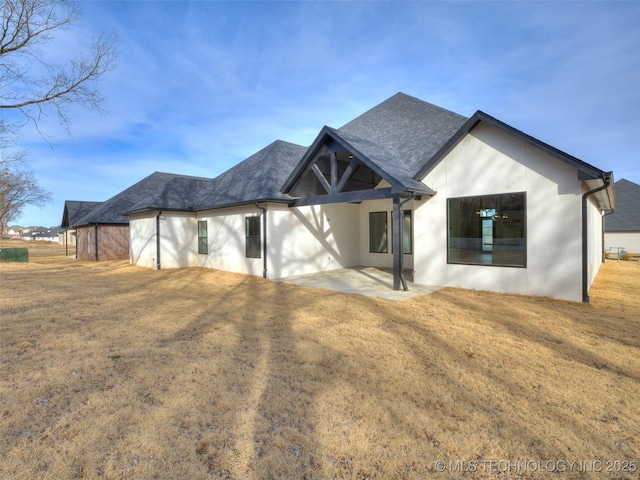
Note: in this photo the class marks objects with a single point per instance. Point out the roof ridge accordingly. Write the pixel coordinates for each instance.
(627, 181)
(395, 98)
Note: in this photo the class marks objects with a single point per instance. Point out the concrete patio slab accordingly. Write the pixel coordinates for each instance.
(369, 281)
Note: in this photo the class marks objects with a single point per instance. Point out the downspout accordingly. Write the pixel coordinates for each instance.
(608, 212)
(264, 244)
(158, 239)
(585, 239)
(96, 241)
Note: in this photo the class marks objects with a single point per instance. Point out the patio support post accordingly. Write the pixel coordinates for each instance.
(396, 221)
(397, 225)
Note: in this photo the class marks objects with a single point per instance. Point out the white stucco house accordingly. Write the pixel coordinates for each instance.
(455, 201)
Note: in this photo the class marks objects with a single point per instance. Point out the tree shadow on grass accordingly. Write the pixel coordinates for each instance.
(258, 400)
(532, 332)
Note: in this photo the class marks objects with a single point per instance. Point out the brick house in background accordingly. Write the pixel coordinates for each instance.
(102, 233)
(74, 210)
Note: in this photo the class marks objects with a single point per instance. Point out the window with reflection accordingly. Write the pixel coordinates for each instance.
(253, 240)
(487, 230)
(378, 232)
(203, 243)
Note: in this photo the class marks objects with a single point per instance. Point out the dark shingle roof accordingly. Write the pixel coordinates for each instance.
(386, 160)
(401, 138)
(74, 210)
(110, 212)
(45, 233)
(396, 138)
(412, 128)
(626, 216)
(259, 177)
(180, 193)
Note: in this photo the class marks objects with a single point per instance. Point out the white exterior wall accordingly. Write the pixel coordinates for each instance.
(299, 240)
(227, 242)
(488, 161)
(594, 240)
(142, 239)
(178, 240)
(382, 260)
(630, 241)
(312, 239)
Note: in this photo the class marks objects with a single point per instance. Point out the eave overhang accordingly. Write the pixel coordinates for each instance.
(91, 224)
(591, 176)
(204, 208)
(606, 198)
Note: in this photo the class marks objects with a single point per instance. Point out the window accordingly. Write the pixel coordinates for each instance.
(203, 243)
(407, 234)
(378, 232)
(252, 230)
(487, 230)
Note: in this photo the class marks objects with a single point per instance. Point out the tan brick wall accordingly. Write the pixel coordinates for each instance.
(113, 242)
(85, 243)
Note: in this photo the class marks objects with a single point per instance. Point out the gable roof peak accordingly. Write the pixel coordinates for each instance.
(626, 216)
(627, 183)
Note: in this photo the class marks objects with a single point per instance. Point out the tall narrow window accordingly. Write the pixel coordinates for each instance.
(203, 242)
(488, 230)
(378, 232)
(407, 233)
(252, 231)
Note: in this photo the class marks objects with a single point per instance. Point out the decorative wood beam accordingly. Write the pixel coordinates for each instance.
(344, 197)
(347, 174)
(334, 171)
(320, 176)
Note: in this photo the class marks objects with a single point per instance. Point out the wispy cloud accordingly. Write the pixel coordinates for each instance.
(202, 85)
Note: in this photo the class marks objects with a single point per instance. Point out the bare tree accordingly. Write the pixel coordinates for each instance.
(34, 87)
(18, 189)
(31, 85)
(18, 186)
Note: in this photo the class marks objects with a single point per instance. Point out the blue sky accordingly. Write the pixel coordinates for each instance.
(202, 85)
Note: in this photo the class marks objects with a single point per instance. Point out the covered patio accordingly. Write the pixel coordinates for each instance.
(369, 281)
(343, 168)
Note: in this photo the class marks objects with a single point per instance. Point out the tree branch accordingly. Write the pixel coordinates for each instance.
(28, 24)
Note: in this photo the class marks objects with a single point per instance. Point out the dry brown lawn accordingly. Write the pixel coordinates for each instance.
(112, 371)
